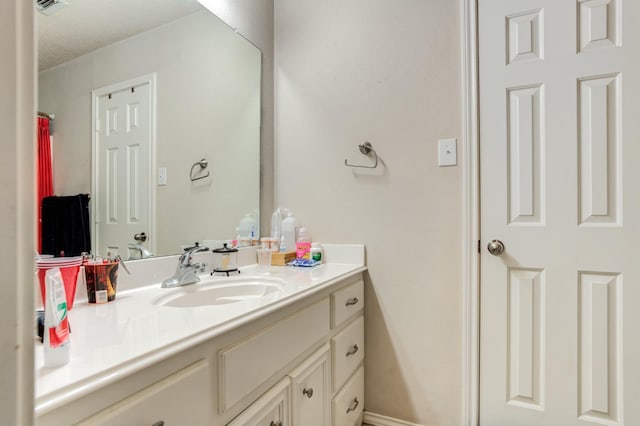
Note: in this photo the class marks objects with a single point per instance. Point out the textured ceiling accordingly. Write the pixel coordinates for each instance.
(86, 25)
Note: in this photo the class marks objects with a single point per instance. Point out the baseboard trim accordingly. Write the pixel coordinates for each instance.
(373, 419)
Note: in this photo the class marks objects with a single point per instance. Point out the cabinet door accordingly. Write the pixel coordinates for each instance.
(270, 417)
(310, 402)
(271, 409)
(182, 396)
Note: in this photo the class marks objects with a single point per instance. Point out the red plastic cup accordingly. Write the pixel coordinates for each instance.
(69, 278)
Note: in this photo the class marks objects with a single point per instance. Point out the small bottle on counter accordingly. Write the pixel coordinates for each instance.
(236, 241)
(253, 241)
(303, 245)
(316, 252)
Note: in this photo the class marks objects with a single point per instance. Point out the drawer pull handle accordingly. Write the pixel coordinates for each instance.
(158, 423)
(308, 392)
(352, 301)
(354, 405)
(278, 423)
(352, 351)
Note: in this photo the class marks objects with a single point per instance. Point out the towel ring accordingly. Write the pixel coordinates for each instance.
(203, 165)
(365, 149)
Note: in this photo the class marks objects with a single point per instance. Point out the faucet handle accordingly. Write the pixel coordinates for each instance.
(185, 258)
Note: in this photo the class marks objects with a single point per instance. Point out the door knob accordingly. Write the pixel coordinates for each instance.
(141, 237)
(495, 247)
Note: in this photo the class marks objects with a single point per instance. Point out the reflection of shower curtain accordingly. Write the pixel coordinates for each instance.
(45, 172)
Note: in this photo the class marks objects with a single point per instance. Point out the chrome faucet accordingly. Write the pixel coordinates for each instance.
(144, 252)
(186, 271)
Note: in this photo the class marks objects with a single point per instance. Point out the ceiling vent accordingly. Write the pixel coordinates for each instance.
(49, 7)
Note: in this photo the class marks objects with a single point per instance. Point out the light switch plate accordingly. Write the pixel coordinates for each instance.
(162, 176)
(447, 153)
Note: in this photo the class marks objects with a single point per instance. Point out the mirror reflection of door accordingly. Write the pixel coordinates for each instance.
(123, 126)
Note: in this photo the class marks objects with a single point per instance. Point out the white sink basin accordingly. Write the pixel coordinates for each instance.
(211, 293)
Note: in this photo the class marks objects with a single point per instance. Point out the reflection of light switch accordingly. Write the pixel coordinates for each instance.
(447, 152)
(162, 176)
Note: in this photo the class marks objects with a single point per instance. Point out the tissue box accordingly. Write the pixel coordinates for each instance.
(281, 258)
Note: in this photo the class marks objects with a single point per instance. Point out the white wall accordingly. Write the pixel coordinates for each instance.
(17, 212)
(208, 106)
(387, 72)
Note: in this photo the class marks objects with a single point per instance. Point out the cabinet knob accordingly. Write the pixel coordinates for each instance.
(308, 392)
(274, 423)
(158, 423)
(352, 301)
(354, 405)
(352, 351)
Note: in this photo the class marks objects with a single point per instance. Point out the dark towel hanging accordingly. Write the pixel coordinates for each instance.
(65, 225)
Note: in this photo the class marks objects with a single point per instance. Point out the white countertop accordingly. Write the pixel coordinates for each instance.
(111, 341)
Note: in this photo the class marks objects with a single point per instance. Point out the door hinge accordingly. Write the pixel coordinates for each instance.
(478, 246)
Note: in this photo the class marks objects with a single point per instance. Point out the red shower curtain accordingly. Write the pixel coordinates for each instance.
(45, 172)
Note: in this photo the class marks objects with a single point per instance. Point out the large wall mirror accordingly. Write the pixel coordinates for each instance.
(204, 104)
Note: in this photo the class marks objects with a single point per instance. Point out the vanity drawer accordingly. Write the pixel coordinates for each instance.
(348, 405)
(249, 363)
(347, 351)
(346, 302)
(186, 394)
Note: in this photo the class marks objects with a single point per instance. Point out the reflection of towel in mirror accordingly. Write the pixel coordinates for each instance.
(65, 225)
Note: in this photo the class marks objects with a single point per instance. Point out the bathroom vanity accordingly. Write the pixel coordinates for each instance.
(281, 349)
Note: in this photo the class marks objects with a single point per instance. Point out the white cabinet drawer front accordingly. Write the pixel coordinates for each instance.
(346, 302)
(246, 365)
(348, 404)
(347, 349)
(311, 398)
(271, 409)
(183, 397)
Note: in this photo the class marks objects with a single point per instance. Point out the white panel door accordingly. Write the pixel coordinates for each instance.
(123, 164)
(559, 141)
